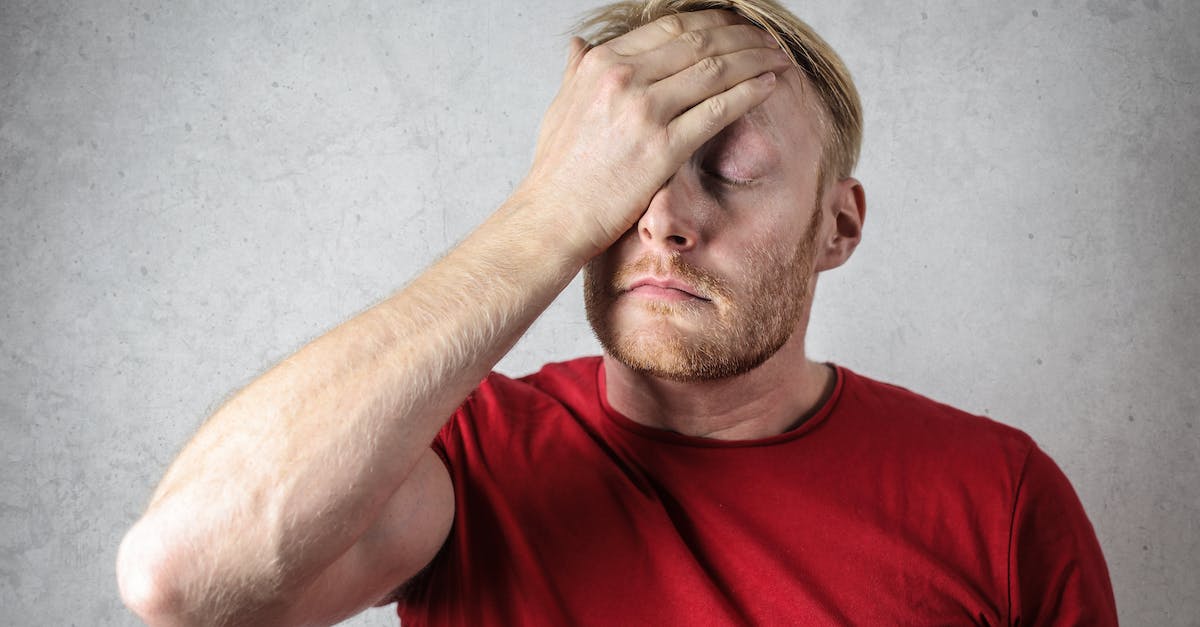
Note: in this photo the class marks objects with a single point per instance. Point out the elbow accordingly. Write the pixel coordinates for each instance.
(144, 576)
(165, 585)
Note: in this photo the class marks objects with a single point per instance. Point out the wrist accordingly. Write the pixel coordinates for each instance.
(555, 225)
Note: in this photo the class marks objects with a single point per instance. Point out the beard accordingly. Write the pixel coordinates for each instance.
(729, 333)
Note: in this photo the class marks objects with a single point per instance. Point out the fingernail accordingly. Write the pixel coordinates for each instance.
(768, 78)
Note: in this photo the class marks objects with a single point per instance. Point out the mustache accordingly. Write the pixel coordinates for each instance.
(706, 284)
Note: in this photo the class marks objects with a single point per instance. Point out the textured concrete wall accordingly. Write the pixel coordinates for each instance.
(191, 190)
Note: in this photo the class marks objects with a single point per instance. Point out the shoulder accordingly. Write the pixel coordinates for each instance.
(505, 407)
(928, 433)
(891, 406)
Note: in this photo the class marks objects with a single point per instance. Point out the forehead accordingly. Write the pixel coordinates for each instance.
(787, 123)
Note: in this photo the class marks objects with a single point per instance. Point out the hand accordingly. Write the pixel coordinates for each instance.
(632, 111)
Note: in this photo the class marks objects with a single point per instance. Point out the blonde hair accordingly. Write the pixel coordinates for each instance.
(810, 54)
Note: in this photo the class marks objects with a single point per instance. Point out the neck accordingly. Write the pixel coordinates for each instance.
(775, 397)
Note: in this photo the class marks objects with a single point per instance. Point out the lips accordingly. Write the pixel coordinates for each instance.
(664, 288)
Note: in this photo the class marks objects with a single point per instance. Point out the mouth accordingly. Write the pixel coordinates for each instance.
(664, 289)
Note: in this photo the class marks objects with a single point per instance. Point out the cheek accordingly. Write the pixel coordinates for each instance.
(774, 251)
(611, 258)
(596, 278)
(756, 233)
(601, 270)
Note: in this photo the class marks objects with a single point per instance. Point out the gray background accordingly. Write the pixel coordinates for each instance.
(189, 191)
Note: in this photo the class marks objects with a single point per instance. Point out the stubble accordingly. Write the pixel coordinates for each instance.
(745, 320)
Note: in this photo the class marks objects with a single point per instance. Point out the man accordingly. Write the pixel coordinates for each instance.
(702, 471)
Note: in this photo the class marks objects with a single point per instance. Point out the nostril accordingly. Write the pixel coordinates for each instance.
(677, 240)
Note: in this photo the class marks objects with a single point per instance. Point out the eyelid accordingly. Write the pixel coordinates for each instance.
(725, 180)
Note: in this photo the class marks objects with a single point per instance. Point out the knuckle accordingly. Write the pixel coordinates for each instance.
(618, 75)
(717, 108)
(697, 40)
(595, 57)
(665, 142)
(672, 24)
(710, 67)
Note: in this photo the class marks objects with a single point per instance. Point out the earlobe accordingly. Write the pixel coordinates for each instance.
(848, 210)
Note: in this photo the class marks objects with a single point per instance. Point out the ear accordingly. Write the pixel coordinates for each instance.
(845, 207)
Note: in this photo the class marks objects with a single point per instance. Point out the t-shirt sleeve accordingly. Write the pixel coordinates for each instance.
(1057, 573)
(446, 443)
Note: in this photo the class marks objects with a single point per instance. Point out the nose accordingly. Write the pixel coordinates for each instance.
(673, 220)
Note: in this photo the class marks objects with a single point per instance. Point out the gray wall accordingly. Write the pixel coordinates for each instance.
(191, 190)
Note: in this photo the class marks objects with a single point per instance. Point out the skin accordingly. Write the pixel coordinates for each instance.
(711, 224)
(313, 493)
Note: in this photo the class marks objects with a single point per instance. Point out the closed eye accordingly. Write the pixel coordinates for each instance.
(731, 181)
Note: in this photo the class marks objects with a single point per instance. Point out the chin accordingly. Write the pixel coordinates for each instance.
(689, 341)
(680, 361)
(669, 348)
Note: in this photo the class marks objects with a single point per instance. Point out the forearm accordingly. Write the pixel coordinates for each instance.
(292, 470)
(285, 477)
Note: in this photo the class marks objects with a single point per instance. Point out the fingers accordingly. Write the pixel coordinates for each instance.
(711, 76)
(665, 29)
(703, 121)
(694, 46)
(690, 57)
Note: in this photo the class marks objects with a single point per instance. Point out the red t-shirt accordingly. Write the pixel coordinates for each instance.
(884, 508)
